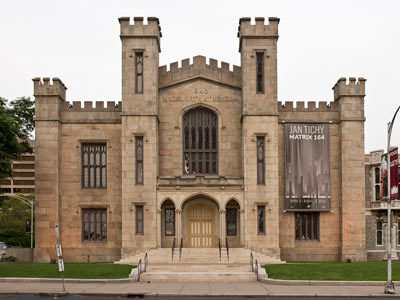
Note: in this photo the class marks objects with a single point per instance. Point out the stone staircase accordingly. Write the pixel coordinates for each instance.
(200, 264)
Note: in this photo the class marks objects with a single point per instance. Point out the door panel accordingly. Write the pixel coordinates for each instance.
(201, 226)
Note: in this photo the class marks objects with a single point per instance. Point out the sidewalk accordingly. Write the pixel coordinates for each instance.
(252, 289)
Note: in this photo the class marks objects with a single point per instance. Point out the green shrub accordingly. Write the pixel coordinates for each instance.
(9, 258)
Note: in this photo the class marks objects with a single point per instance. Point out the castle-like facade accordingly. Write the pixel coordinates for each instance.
(200, 155)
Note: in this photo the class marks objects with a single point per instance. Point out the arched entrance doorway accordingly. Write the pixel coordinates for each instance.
(200, 223)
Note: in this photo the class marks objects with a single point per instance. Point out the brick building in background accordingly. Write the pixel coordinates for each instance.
(203, 154)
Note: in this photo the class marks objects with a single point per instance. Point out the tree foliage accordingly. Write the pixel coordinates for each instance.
(13, 217)
(16, 126)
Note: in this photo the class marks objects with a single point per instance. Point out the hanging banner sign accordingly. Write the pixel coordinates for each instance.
(307, 176)
(384, 173)
(394, 174)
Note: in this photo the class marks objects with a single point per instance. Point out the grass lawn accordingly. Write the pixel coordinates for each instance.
(82, 271)
(333, 271)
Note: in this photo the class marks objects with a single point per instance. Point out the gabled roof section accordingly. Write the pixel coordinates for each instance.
(200, 69)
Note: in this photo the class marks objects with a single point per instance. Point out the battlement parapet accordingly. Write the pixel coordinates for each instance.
(88, 106)
(323, 106)
(139, 29)
(351, 88)
(44, 87)
(200, 68)
(259, 29)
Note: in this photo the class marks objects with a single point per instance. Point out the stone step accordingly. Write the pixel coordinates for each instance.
(198, 276)
(198, 268)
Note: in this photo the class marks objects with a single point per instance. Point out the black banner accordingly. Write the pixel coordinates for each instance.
(307, 181)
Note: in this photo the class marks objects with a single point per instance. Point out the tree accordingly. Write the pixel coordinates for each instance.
(13, 217)
(16, 126)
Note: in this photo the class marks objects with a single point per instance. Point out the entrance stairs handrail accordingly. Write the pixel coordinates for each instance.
(219, 245)
(173, 250)
(180, 249)
(227, 248)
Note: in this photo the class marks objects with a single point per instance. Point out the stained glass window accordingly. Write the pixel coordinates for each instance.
(307, 226)
(200, 141)
(139, 160)
(169, 221)
(139, 219)
(261, 219)
(231, 224)
(94, 165)
(260, 160)
(94, 224)
(139, 73)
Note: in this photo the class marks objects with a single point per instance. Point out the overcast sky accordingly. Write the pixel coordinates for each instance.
(320, 41)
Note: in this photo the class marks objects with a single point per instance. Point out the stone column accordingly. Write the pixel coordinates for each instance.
(242, 221)
(158, 230)
(222, 226)
(178, 226)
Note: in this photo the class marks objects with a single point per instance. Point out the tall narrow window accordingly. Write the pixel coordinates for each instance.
(139, 160)
(260, 72)
(261, 219)
(231, 225)
(139, 72)
(94, 225)
(169, 221)
(379, 240)
(260, 160)
(200, 141)
(307, 226)
(139, 219)
(94, 165)
(377, 184)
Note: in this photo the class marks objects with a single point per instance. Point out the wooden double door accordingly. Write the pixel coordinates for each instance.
(200, 226)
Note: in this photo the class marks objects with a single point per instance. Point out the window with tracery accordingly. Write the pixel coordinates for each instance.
(139, 72)
(231, 224)
(200, 154)
(261, 219)
(94, 165)
(260, 160)
(94, 224)
(139, 160)
(260, 72)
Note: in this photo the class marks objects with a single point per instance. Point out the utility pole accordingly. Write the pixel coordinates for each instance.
(389, 285)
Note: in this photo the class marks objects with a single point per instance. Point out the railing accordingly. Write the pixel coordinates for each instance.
(256, 269)
(227, 248)
(252, 261)
(180, 249)
(219, 245)
(139, 269)
(173, 250)
(146, 261)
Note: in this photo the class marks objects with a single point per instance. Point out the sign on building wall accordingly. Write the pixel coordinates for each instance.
(394, 174)
(307, 184)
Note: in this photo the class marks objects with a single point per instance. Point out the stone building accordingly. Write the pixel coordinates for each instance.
(376, 212)
(195, 154)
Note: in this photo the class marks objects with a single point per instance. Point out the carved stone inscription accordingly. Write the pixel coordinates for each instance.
(199, 95)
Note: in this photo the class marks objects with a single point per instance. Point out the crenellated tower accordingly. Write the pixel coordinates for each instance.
(258, 49)
(49, 101)
(350, 99)
(140, 126)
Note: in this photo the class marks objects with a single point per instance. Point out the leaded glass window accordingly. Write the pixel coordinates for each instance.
(139, 160)
(139, 73)
(379, 233)
(169, 221)
(94, 165)
(261, 219)
(231, 224)
(200, 141)
(260, 160)
(94, 224)
(260, 72)
(139, 219)
(307, 226)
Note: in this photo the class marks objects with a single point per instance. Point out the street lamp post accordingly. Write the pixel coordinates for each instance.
(31, 203)
(389, 286)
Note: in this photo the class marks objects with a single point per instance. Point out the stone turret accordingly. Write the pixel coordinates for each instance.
(253, 40)
(350, 99)
(140, 39)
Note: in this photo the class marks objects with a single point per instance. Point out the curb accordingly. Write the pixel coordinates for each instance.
(324, 282)
(67, 280)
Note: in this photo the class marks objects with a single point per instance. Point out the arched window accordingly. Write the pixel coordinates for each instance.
(200, 154)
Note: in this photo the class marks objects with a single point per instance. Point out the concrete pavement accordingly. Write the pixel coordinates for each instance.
(177, 289)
